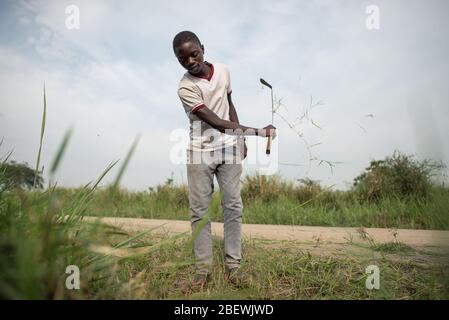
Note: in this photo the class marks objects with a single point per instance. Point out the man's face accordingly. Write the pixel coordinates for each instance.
(190, 56)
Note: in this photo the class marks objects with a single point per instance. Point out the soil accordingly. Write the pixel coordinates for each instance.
(320, 238)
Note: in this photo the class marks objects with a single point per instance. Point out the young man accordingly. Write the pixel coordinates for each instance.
(215, 148)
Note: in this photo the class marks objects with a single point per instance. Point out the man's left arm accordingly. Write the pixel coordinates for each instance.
(232, 113)
(234, 118)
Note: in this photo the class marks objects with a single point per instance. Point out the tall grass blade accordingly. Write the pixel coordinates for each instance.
(137, 236)
(125, 164)
(82, 201)
(129, 253)
(44, 116)
(60, 153)
(7, 157)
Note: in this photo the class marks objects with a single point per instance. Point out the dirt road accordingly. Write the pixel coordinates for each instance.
(322, 235)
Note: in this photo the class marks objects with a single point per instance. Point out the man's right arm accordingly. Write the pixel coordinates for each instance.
(232, 128)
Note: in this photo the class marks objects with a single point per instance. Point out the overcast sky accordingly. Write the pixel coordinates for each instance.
(116, 77)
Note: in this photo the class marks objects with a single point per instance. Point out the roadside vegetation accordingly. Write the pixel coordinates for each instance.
(397, 192)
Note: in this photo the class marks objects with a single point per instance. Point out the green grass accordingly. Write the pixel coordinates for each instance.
(37, 244)
(279, 273)
(40, 236)
(393, 247)
(36, 248)
(330, 208)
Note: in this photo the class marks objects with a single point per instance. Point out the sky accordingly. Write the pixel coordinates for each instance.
(365, 83)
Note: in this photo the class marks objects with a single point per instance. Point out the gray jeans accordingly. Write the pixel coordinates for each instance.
(226, 165)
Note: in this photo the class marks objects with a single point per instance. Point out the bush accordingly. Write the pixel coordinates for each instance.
(270, 188)
(264, 188)
(19, 175)
(308, 190)
(170, 194)
(397, 176)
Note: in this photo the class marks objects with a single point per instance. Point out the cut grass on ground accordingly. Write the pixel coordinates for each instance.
(393, 247)
(283, 272)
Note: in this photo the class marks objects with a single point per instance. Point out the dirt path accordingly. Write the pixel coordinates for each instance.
(322, 235)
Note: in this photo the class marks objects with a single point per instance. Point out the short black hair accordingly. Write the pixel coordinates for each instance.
(185, 36)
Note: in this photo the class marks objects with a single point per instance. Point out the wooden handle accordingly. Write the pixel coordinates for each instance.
(268, 151)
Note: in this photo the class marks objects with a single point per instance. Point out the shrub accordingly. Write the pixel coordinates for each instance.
(399, 176)
(19, 175)
(264, 188)
(170, 194)
(307, 190)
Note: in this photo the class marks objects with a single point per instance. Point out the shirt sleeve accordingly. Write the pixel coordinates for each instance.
(191, 99)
